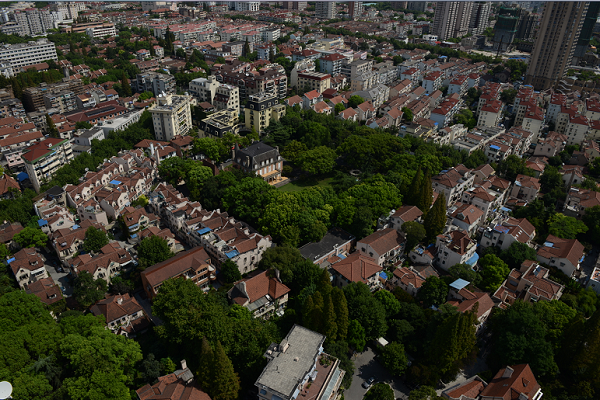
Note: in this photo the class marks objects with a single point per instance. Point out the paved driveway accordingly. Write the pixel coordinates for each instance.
(366, 366)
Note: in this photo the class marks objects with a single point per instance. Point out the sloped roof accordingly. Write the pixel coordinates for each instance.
(357, 267)
(510, 382)
(384, 240)
(570, 249)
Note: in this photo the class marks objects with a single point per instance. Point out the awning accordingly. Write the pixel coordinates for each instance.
(473, 260)
(232, 253)
(203, 231)
(42, 222)
(22, 176)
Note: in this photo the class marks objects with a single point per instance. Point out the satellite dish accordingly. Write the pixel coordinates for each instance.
(5, 390)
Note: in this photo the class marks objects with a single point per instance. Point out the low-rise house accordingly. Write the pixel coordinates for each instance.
(564, 254)
(111, 261)
(9, 187)
(453, 182)
(174, 244)
(455, 247)
(27, 265)
(466, 301)
(385, 246)
(331, 248)
(405, 214)
(422, 255)
(194, 264)
(136, 219)
(263, 294)
(180, 385)
(407, 279)
(553, 144)
(261, 159)
(526, 188)
(349, 114)
(578, 200)
(432, 82)
(490, 114)
(357, 267)
(123, 314)
(46, 290)
(365, 111)
(298, 368)
(529, 283)
(467, 217)
(445, 112)
(8, 230)
(504, 234)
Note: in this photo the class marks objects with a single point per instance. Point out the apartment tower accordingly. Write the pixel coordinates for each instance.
(355, 9)
(452, 19)
(555, 43)
(325, 9)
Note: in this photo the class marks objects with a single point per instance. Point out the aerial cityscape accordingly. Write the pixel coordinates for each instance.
(292, 200)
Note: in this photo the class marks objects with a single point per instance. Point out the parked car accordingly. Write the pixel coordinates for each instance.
(367, 384)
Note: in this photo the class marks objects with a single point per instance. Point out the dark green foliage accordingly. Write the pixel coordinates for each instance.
(88, 291)
(356, 336)
(516, 253)
(51, 127)
(380, 391)
(513, 166)
(31, 237)
(493, 272)
(415, 232)
(433, 292)
(151, 368)
(95, 239)
(230, 272)
(354, 101)
(591, 219)
(465, 271)
(435, 220)
(394, 358)
(153, 250)
(365, 309)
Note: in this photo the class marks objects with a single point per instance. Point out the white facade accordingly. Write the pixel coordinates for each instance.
(171, 117)
(325, 9)
(23, 54)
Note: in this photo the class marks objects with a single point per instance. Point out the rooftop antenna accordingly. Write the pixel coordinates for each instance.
(5, 390)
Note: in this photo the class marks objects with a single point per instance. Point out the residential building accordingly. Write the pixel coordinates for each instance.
(298, 367)
(526, 188)
(356, 68)
(27, 265)
(451, 19)
(44, 158)
(553, 51)
(355, 9)
(171, 117)
(194, 264)
(466, 216)
(404, 214)
(122, 313)
(204, 89)
(227, 97)
(263, 295)
(261, 109)
(505, 28)
(564, 254)
(530, 283)
(594, 281)
(180, 383)
(332, 63)
(247, 5)
(407, 279)
(453, 182)
(46, 290)
(578, 200)
(385, 246)
(464, 300)
(101, 30)
(507, 232)
(490, 114)
(325, 10)
(112, 260)
(357, 267)
(219, 123)
(33, 52)
(445, 112)
(480, 15)
(432, 82)
(155, 83)
(577, 129)
(314, 81)
(455, 247)
(333, 246)
(260, 158)
(458, 84)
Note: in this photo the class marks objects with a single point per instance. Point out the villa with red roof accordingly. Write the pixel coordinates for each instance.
(564, 254)
(263, 294)
(357, 267)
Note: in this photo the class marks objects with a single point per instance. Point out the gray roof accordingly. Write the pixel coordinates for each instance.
(291, 361)
(258, 151)
(334, 238)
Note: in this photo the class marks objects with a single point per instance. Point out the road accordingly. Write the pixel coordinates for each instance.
(366, 366)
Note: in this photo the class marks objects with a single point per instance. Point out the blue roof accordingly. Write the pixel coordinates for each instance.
(22, 176)
(75, 227)
(494, 147)
(501, 228)
(460, 283)
(232, 253)
(42, 222)
(582, 258)
(343, 257)
(383, 275)
(505, 209)
(203, 231)
(10, 260)
(471, 261)
(134, 236)
(115, 182)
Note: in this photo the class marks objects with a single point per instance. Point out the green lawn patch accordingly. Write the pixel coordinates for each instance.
(302, 184)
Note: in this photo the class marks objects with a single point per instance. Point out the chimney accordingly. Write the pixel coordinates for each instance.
(120, 300)
(183, 364)
(508, 372)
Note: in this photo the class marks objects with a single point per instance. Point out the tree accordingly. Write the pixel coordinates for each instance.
(508, 95)
(125, 87)
(551, 179)
(365, 309)
(31, 237)
(173, 170)
(516, 253)
(354, 101)
(153, 250)
(394, 358)
(465, 271)
(205, 366)
(83, 125)
(591, 218)
(380, 391)
(433, 292)
(341, 312)
(425, 193)
(88, 291)
(565, 227)
(413, 194)
(317, 161)
(408, 114)
(356, 336)
(95, 239)
(51, 127)
(513, 166)
(226, 384)
(493, 272)
(119, 286)
(415, 232)
(230, 272)
(435, 220)
(424, 392)
(389, 302)
(151, 369)
(339, 107)
(246, 51)
(196, 177)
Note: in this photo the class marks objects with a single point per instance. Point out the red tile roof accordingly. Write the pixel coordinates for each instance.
(357, 267)
(510, 382)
